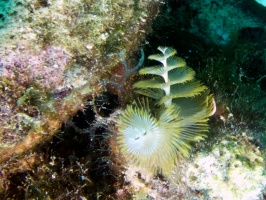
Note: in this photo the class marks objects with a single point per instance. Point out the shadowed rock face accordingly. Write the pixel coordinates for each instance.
(257, 7)
(253, 34)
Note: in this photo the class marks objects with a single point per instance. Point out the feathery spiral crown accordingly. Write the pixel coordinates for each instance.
(152, 141)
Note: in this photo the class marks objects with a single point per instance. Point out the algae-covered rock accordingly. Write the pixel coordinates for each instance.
(232, 170)
(53, 56)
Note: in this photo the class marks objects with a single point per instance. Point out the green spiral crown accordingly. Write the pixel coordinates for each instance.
(151, 138)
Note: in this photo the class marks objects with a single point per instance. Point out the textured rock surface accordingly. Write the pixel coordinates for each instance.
(53, 55)
(232, 170)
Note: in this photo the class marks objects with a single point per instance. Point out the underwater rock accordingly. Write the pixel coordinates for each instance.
(232, 170)
(53, 55)
(219, 21)
(252, 34)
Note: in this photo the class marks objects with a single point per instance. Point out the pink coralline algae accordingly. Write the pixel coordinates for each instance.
(43, 70)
